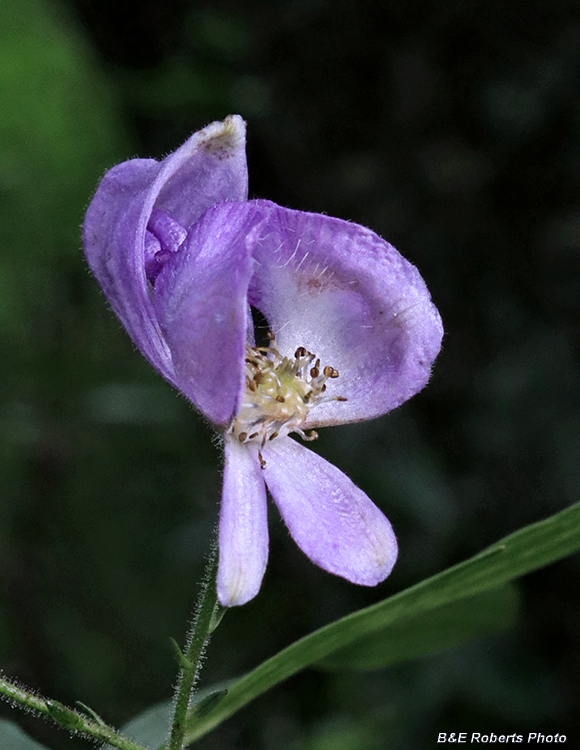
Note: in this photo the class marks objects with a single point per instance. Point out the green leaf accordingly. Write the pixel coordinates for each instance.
(88, 711)
(11, 736)
(63, 715)
(211, 698)
(218, 616)
(521, 552)
(435, 630)
(180, 657)
(150, 728)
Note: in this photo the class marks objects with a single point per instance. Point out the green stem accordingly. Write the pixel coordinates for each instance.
(66, 717)
(205, 621)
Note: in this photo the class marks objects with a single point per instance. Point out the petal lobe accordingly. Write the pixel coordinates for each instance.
(243, 528)
(333, 522)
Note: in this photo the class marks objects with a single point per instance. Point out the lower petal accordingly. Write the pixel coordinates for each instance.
(332, 521)
(243, 528)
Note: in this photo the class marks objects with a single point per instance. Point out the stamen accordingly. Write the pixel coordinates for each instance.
(279, 393)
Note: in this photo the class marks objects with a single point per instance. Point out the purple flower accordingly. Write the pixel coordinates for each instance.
(183, 257)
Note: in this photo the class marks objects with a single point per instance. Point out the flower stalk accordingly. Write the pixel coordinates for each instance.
(68, 718)
(207, 617)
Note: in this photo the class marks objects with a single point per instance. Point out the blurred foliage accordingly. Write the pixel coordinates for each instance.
(451, 129)
(11, 736)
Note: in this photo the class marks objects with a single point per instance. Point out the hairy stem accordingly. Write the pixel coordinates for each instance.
(205, 621)
(68, 718)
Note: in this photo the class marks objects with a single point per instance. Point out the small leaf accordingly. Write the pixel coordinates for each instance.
(11, 736)
(217, 617)
(180, 657)
(521, 552)
(63, 715)
(89, 712)
(433, 631)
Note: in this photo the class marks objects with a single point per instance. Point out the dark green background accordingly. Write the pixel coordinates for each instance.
(452, 129)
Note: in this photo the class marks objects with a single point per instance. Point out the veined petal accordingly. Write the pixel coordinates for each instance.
(200, 302)
(332, 521)
(342, 292)
(208, 168)
(243, 528)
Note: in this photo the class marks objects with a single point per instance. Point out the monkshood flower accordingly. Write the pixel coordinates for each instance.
(183, 256)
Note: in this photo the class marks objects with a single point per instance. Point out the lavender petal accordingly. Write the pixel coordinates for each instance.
(243, 528)
(332, 521)
(345, 294)
(200, 302)
(209, 168)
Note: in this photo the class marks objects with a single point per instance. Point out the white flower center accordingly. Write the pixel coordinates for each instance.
(278, 394)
